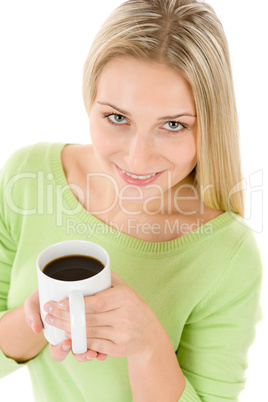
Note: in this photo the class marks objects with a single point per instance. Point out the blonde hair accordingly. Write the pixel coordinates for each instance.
(187, 36)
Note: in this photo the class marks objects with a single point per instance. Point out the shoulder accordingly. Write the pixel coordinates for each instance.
(245, 258)
(229, 233)
(19, 178)
(245, 244)
(29, 157)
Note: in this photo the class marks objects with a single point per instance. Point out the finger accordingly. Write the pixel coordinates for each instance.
(90, 353)
(58, 323)
(53, 309)
(85, 357)
(105, 332)
(103, 347)
(37, 325)
(101, 332)
(59, 352)
(101, 356)
(61, 309)
(107, 300)
(107, 318)
(32, 312)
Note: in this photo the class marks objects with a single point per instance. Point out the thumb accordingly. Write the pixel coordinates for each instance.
(32, 312)
(36, 324)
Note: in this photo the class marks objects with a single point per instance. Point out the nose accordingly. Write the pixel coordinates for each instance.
(141, 153)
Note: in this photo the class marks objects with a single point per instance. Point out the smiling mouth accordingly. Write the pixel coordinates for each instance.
(139, 177)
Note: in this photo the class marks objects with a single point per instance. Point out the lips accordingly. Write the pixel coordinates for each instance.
(137, 179)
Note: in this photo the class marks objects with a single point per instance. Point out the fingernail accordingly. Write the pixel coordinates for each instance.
(48, 308)
(91, 355)
(31, 323)
(62, 306)
(49, 319)
(66, 347)
(68, 334)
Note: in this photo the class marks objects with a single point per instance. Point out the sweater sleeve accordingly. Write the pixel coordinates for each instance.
(219, 331)
(7, 252)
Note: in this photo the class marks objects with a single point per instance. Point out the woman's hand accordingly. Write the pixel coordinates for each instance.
(58, 352)
(119, 323)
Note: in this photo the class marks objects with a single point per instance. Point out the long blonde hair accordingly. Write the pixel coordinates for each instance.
(187, 36)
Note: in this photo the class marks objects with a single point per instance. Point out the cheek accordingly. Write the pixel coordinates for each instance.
(103, 142)
(185, 153)
(192, 151)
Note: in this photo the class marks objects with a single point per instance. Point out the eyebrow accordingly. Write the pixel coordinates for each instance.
(124, 112)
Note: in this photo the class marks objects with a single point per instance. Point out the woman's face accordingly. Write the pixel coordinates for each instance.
(143, 126)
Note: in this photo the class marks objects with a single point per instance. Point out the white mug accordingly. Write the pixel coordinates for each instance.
(51, 289)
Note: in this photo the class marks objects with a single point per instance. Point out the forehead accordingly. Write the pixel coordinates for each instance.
(126, 80)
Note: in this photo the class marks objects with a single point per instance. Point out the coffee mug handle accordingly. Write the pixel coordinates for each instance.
(78, 322)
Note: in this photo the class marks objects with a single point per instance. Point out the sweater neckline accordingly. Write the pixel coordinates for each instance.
(103, 230)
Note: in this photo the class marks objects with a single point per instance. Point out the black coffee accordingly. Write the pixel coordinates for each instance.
(73, 268)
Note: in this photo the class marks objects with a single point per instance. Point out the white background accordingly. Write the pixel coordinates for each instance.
(43, 47)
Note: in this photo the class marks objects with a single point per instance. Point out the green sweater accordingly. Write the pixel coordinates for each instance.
(204, 286)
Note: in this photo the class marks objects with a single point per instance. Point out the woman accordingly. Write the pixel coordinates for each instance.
(158, 188)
